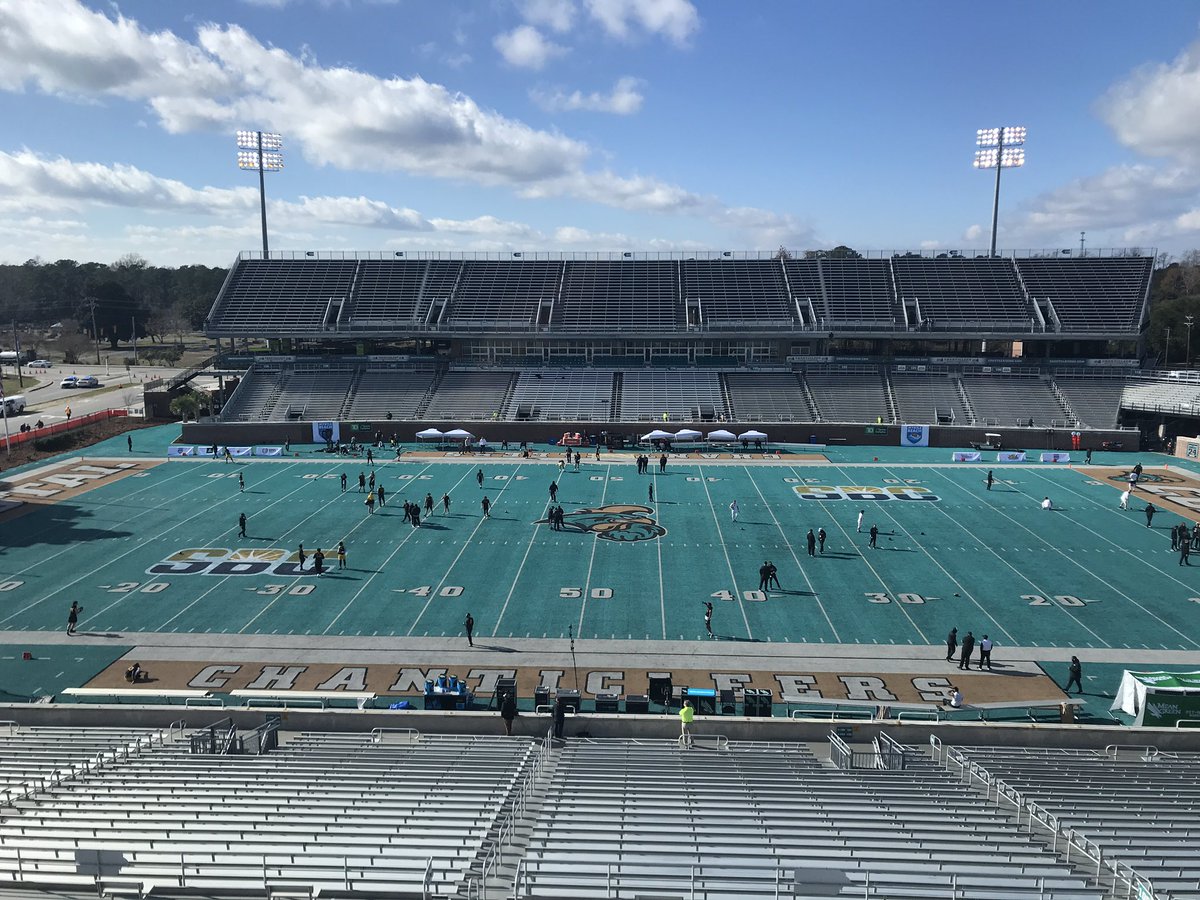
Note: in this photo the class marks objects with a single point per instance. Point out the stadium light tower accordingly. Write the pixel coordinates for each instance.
(1003, 148)
(259, 151)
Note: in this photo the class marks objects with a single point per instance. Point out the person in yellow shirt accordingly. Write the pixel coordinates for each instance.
(686, 716)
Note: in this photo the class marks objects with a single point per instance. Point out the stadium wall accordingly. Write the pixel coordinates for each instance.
(596, 725)
(250, 433)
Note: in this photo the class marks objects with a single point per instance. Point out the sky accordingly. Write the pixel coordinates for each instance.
(593, 125)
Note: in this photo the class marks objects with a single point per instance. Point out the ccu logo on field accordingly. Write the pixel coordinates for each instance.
(618, 522)
(1146, 478)
(224, 561)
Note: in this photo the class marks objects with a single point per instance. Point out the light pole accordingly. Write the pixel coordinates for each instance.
(1082, 252)
(1189, 321)
(1167, 349)
(258, 151)
(1003, 149)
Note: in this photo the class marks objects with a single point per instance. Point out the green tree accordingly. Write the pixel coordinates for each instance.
(186, 405)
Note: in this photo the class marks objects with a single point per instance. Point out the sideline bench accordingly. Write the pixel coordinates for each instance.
(1030, 706)
(284, 698)
(141, 693)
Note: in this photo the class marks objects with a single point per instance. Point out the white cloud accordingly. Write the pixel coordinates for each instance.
(676, 20)
(1156, 111)
(973, 233)
(526, 48)
(557, 15)
(624, 100)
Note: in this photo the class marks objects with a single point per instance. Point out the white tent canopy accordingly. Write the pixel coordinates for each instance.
(752, 435)
(721, 435)
(658, 435)
(687, 434)
(429, 434)
(459, 434)
(1131, 695)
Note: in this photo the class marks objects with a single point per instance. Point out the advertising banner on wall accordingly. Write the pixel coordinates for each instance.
(914, 436)
(1010, 456)
(239, 451)
(967, 456)
(180, 450)
(268, 451)
(325, 432)
(1056, 457)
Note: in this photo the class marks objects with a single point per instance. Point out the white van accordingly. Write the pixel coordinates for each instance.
(14, 405)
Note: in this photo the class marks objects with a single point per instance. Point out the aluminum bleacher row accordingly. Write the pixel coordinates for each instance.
(395, 814)
(349, 389)
(1141, 808)
(348, 296)
(646, 818)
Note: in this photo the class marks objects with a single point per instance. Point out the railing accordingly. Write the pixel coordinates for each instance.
(21, 437)
(685, 255)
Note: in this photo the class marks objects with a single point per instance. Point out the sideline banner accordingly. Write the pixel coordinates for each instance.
(914, 436)
(1056, 457)
(1010, 456)
(180, 451)
(209, 450)
(967, 456)
(324, 432)
(268, 451)
(239, 451)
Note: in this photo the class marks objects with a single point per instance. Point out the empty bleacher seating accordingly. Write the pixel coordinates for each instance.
(645, 818)
(254, 397)
(858, 293)
(323, 813)
(1161, 394)
(281, 296)
(567, 394)
(683, 394)
(850, 396)
(470, 395)
(929, 398)
(1015, 400)
(767, 397)
(1091, 294)
(496, 294)
(388, 293)
(737, 292)
(958, 292)
(313, 392)
(1095, 402)
(384, 388)
(630, 295)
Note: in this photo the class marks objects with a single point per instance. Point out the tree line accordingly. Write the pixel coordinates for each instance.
(128, 298)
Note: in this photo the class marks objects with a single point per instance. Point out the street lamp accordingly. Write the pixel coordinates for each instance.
(1003, 149)
(259, 151)
(1167, 349)
(1189, 321)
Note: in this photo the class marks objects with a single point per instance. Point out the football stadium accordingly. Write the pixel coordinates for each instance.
(708, 575)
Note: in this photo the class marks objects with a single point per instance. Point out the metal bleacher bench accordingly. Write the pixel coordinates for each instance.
(118, 693)
(985, 709)
(286, 698)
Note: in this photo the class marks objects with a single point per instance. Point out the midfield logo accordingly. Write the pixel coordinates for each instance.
(618, 522)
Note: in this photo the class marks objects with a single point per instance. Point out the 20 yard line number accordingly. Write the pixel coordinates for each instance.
(1055, 600)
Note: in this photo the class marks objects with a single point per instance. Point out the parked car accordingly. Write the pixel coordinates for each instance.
(69, 382)
(39, 364)
(88, 381)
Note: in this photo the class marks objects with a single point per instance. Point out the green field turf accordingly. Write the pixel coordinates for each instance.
(1084, 575)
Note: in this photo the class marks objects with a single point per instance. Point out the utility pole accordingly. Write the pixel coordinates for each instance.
(17, 348)
(91, 302)
(133, 333)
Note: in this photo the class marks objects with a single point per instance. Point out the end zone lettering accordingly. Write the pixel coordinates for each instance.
(222, 561)
(862, 492)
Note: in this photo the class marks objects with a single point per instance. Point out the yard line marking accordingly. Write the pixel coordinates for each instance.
(737, 593)
(863, 556)
(958, 584)
(297, 578)
(93, 572)
(461, 550)
(662, 592)
(587, 582)
(795, 558)
(1018, 572)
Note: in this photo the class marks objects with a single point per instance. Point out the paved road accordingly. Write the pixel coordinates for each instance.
(46, 401)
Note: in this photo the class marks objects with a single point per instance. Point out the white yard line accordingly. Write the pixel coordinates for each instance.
(795, 558)
(587, 584)
(662, 590)
(737, 593)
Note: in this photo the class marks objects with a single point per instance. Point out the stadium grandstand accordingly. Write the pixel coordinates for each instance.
(807, 342)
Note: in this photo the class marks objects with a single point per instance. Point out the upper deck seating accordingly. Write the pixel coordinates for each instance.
(276, 295)
(737, 292)
(960, 293)
(1091, 294)
(631, 295)
(858, 292)
(499, 295)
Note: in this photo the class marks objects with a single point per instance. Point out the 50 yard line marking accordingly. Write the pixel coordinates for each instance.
(587, 585)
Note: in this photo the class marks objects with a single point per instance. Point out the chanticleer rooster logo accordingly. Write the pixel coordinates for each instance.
(618, 522)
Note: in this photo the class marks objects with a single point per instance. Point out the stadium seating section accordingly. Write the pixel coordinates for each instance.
(121, 811)
(348, 296)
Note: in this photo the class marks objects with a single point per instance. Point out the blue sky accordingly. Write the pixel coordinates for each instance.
(592, 125)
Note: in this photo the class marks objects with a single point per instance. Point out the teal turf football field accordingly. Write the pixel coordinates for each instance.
(159, 552)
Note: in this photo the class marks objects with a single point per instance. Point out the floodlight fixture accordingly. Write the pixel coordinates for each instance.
(1002, 149)
(259, 151)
